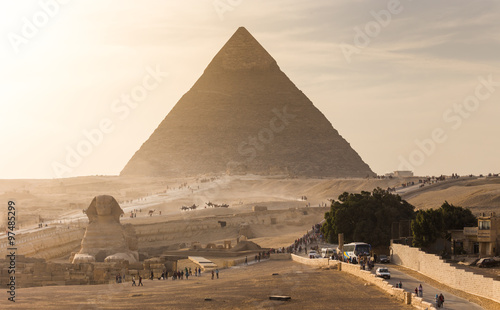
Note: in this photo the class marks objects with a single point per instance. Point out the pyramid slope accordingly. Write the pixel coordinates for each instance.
(244, 115)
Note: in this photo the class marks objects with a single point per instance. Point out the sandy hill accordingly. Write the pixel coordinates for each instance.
(478, 194)
(244, 115)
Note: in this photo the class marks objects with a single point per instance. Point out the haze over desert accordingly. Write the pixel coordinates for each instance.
(249, 155)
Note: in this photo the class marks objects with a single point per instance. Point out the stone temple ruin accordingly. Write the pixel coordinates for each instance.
(105, 238)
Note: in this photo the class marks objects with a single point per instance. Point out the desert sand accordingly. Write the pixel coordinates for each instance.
(242, 287)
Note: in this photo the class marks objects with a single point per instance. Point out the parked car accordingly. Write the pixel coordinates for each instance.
(486, 262)
(384, 259)
(314, 254)
(383, 272)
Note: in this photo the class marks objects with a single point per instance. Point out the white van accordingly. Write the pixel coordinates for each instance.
(327, 252)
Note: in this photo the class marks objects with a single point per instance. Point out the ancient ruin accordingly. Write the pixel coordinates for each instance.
(244, 115)
(105, 238)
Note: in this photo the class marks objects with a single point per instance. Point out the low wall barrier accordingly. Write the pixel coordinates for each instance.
(435, 268)
(318, 262)
(398, 293)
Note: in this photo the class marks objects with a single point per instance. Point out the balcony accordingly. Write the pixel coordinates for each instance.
(485, 236)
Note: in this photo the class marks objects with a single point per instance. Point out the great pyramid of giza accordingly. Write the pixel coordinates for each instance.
(244, 115)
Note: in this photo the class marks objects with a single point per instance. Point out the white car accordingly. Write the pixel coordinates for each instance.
(314, 254)
(383, 272)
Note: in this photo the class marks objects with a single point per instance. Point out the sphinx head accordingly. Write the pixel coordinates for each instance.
(104, 206)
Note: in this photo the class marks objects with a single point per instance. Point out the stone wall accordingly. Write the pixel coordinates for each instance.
(397, 293)
(31, 272)
(318, 262)
(47, 243)
(280, 256)
(434, 267)
(181, 230)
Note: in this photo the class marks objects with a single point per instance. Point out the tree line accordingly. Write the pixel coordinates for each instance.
(368, 217)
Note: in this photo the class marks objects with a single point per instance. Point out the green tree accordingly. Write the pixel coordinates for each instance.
(457, 217)
(429, 225)
(365, 217)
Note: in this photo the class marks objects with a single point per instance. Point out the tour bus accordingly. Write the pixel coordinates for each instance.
(327, 252)
(354, 250)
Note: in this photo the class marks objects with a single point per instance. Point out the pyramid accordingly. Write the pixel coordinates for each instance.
(245, 116)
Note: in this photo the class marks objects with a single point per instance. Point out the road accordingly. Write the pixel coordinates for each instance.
(429, 292)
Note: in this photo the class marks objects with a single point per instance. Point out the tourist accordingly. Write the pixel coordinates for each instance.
(438, 302)
(441, 300)
(152, 275)
(416, 291)
(400, 284)
(195, 272)
(187, 274)
(140, 281)
(217, 273)
(420, 291)
(199, 271)
(212, 274)
(133, 281)
(246, 262)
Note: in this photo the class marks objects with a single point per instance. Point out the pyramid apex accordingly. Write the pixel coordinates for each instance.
(242, 52)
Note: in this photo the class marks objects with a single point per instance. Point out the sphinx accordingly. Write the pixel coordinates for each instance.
(106, 239)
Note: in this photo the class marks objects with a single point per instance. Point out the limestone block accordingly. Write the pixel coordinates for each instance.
(83, 258)
(120, 257)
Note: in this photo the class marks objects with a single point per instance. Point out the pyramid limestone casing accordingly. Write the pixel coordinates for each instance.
(244, 115)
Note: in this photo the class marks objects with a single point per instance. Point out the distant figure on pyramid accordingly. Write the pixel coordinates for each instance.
(105, 238)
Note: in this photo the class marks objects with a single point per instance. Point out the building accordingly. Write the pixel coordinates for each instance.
(403, 174)
(483, 239)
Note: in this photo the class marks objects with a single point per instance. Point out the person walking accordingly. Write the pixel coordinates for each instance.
(217, 273)
(133, 281)
(140, 281)
(212, 274)
(441, 300)
(246, 260)
(438, 303)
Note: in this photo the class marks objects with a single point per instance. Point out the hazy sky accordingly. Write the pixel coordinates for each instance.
(409, 84)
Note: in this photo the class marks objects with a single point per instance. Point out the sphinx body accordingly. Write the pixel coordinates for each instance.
(105, 238)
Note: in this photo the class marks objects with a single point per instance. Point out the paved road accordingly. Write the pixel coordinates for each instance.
(429, 292)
